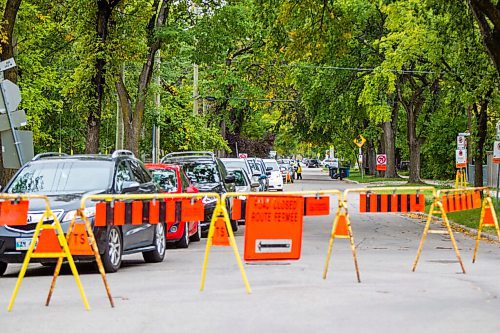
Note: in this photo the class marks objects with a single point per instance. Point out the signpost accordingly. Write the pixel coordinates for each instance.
(360, 141)
(17, 146)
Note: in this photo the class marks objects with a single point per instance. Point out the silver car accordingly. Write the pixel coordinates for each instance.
(243, 182)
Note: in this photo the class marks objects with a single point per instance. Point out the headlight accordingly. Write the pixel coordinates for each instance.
(89, 212)
(208, 200)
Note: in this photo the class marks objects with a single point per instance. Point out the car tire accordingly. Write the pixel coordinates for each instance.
(160, 243)
(196, 237)
(234, 225)
(3, 267)
(183, 243)
(112, 257)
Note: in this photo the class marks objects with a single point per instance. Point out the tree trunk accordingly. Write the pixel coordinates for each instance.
(413, 144)
(133, 116)
(104, 10)
(390, 143)
(372, 158)
(482, 129)
(7, 49)
(488, 18)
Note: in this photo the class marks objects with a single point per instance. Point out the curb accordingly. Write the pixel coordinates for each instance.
(455, 226)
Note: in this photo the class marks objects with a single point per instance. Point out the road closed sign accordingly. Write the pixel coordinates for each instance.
(461, 158)
(273, 228)
(381, 162)
(496, 152)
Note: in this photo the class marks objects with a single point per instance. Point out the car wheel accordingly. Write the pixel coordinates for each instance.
(184, 241)
(3, 267)
(112, 258)
(160, 243)
(234, 225)
(196, 237)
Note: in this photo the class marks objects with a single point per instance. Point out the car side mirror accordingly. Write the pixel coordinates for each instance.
(192, 189)
(254, 184)
(130, 186)
(230, 179)
(269, 169)
(268, 173)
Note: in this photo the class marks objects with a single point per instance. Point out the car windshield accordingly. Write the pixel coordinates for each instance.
(166, 179)
(272, 164)
(202, 173)
(239, 178)
(73, 176)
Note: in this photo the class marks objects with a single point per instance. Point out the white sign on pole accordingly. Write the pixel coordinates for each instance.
(496, 152)
(461, 158)
(460, 142)
(498, 130)
(7, 64)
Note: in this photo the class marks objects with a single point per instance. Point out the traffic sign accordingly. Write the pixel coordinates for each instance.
(461, 158)
(9, 152)
(360, 141)
(496, 152)
(461, 143)
(381, 162)
(498, 130)
(242, 155)
(11, 95)
(7, 64)
(18, 119)
(273, 227)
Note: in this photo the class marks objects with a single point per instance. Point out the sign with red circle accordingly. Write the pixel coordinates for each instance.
(381, 162)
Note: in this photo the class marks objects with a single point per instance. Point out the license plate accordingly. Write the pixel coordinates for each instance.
(23, 243)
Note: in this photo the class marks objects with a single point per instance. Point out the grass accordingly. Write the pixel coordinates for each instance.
(356, 176)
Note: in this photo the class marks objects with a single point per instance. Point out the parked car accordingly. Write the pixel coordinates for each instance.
(172, 179)
(208, 174)
(258, 165)
(243, 183)
(313, 163)
(65, 179)
(275, 179)
(244, 164)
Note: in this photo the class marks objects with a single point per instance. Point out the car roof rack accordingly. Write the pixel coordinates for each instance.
(184, 154)
(122, 152)
(49, 154)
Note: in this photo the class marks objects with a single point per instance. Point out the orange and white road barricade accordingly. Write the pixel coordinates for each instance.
(488, 217)
(440, 205)
(48, 240)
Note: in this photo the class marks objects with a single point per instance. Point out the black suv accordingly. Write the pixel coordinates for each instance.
(313, 163)
(208, 174)
(65, 179)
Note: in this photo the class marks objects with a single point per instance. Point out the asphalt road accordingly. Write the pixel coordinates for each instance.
(287, 297)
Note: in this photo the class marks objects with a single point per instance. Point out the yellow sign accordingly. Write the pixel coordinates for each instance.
(360, 141)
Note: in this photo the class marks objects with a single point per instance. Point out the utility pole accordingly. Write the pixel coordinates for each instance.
(195, 89)
(119, 118)
(156, 128)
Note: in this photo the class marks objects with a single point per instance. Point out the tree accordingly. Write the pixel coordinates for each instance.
(487, 15)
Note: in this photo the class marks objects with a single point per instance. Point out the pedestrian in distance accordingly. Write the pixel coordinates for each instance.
(299, 171)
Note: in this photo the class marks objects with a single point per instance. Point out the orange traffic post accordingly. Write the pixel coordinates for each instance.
(437, 208)
(341, 228)
(488, 219)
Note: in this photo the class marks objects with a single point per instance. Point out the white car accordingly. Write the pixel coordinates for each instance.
(275, 179)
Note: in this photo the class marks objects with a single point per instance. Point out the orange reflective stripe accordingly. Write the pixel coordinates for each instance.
(14, 212)
(463, 201)
(458, 204)
(451, 203)
(170, 211)
(221, 236)
(236, 210)
(192, 210)
(342, 229)
(154, 212)
(470, 203)
(100, 214)
(78, 243)
(362, 203)
(372, 208)
(384, 203)
(476, 199)
(119, 213)
(136, 212)
(317, 206)
(488, 217)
